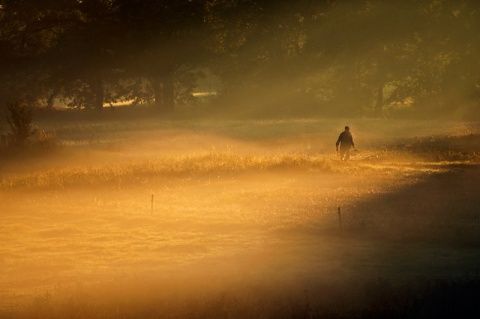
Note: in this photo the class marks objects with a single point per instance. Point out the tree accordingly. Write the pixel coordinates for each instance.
(28, 30)
(162, 37)
(363, 47)
(262, 50)
(336, 56)
(85, 59)
(443, 57)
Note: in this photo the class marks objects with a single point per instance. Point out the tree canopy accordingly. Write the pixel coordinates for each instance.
(325, 57)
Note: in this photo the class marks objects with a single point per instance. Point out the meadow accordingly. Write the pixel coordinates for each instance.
(222, 218)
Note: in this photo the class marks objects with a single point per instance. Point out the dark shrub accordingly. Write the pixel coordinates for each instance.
(19, 118)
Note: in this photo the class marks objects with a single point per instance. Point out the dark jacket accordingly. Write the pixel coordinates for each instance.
(345, 140)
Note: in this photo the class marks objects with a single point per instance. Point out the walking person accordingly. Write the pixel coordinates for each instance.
(345, 140)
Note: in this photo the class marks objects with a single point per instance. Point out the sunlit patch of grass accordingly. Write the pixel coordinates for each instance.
(145, 170)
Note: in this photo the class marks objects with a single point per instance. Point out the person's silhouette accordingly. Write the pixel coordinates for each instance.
(345, 140)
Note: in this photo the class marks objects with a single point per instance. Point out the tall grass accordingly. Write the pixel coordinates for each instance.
(139, 171)
(201, 164)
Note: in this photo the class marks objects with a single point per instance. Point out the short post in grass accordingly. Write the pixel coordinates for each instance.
(339, 211)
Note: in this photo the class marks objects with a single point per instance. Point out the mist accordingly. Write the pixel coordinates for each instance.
(177, 159)
(184, 217)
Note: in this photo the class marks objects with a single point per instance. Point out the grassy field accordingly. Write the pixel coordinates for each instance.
(149, 218)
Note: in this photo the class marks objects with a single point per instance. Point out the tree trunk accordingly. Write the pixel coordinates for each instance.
(164, 91)
(157, 92)
(169, 92)
(51, 98)
(98, 93)
(379, 102)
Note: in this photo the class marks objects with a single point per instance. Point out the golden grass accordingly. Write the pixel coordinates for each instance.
(144, 171)
(263, 211)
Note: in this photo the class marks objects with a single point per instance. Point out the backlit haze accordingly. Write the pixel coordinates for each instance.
(180, 159)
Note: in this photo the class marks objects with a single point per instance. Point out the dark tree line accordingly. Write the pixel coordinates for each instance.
(332, 56)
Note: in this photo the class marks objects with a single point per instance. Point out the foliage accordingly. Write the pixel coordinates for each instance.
(19, 119)
(333, 57)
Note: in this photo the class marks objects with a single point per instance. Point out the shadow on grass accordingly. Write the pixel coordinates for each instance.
(369, 299)
(442, 208)
(430, 229)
